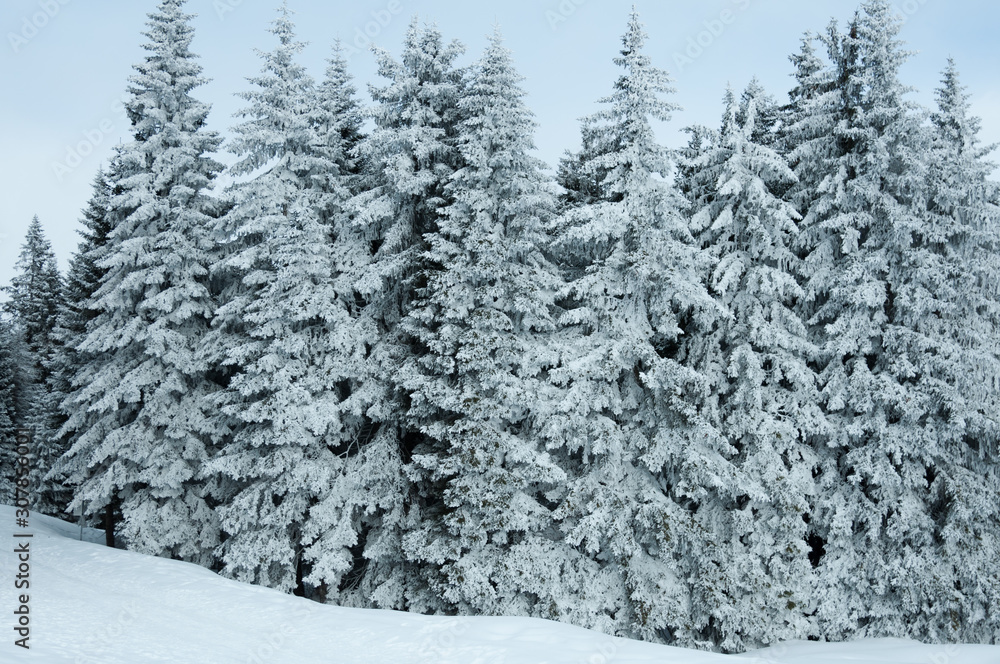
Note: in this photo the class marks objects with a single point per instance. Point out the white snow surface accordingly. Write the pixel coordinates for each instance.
(89, 603)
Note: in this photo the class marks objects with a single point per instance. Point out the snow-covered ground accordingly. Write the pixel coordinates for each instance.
(89, 603)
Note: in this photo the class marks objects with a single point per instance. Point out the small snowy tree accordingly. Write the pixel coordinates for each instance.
(13, 361)
(82, 280)
(36, 297)
(145, 430)
(806, 136)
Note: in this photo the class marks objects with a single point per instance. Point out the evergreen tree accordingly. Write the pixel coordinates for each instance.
(625, 418)
(408, 158)
(82, 280)
(36, 296)
(765, 400)
(76, 367)
(806, 135)
(13, 360)
(333, 535)
(951, 342)
(145, 428)
(879, 386)
(481, 322)
(701, 140)
(283, 330)
(581, 174)
(766, 124)
(338, 118)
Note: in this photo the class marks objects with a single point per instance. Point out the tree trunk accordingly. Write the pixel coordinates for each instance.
(109, 523)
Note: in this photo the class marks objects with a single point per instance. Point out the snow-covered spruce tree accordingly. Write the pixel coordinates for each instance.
(887, 373)
(806, 136)
(635, 450)
(701, 140)
(952, 343)
(83, 278)
(282, 331)
(143, 416)
(338, 120)
(36, 297)
(13, 361)
(76, 368)
(768, 115)
(408, 160)
(756, 580)
(481, 323)
(582, 174)
(334, 534)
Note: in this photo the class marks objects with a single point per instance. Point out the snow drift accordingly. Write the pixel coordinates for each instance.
(89, 603)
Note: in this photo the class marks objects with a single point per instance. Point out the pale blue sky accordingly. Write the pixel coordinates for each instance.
(61, 85)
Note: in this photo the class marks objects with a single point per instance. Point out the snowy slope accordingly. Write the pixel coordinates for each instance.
(89, 603)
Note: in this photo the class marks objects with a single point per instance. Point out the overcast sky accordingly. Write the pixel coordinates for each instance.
(64, 66)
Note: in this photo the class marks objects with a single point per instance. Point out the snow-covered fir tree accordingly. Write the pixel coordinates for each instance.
(283, 331)
(76, 367)
(768, 116)
(13, 404)
(69, 366)
(143, 416)
(625, 422)
(952, 343)
(408, 158)
(481, 323)
(36, 297)
(806, 135)
(887, 382)
(701, 140)
(757, 583)
(334, 534)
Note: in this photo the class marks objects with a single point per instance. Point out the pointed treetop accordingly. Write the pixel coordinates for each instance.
(284, 27)
(952, 119)
(639, 71)
(729, 121)
(170, 34)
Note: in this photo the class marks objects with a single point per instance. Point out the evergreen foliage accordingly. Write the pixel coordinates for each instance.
(36, 296)
(741, 393)
(480, 321)
(144, 417)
